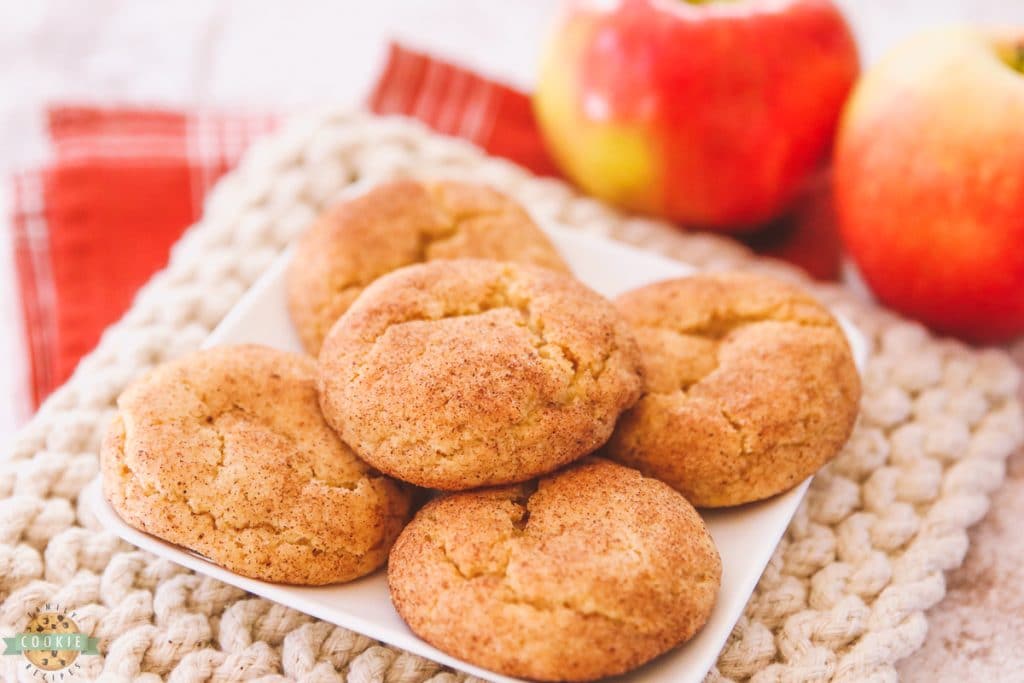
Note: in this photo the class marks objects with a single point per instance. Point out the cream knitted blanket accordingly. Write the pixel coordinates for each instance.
(843, 598)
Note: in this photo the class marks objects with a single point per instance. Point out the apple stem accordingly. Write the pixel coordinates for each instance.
(1013, 55)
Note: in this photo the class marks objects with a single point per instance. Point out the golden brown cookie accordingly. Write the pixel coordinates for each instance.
(465, 373)
(225, 452)
(751, 387)
(591, 573)
(398, 224)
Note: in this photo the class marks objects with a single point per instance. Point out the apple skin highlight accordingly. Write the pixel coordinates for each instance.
(711, 115)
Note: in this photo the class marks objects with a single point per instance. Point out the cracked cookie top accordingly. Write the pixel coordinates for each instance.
(398, 224)
(465, 373)
(751, 387)
(589, 573)
(225, 452)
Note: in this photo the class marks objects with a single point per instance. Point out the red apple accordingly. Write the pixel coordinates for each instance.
(708, 113)
(929, 181)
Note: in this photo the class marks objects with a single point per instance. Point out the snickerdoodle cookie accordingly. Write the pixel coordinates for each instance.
(751, 387)
(465, 373)
(225, 452)
(591, 573)
(398, 224)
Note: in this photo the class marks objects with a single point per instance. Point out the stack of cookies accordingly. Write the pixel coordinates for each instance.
(562, 440)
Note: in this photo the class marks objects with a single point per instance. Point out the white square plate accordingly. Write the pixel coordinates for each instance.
(746, 536)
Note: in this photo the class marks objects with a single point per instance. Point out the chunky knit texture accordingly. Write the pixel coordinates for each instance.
(843, 598)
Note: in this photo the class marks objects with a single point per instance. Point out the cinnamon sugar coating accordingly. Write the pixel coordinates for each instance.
(398, 224)
(466, 373)
(751, 387)
(225, 452)
(590, 573)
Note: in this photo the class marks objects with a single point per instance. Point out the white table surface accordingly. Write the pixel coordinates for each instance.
(282, 56)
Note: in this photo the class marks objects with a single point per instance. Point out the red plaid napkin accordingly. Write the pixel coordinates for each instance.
(92, 227)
